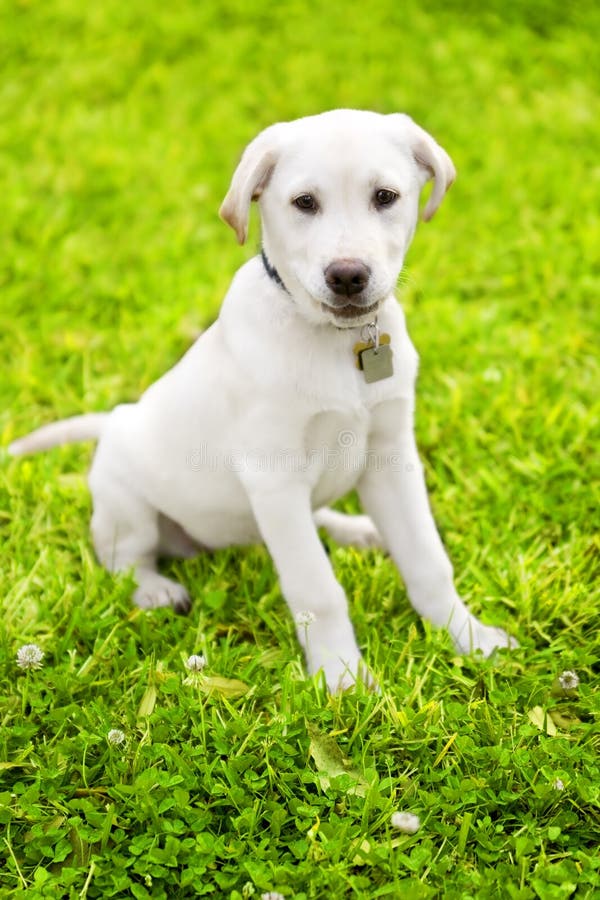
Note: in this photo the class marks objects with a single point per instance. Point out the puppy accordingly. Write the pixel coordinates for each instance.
(302, 390)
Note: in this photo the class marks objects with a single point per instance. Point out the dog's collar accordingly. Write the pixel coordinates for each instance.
(272, 271)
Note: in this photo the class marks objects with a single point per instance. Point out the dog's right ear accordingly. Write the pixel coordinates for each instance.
(249, 180)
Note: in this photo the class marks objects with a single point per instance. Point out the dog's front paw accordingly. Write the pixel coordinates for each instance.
(341, 676)
(486, 638)
(155, 590)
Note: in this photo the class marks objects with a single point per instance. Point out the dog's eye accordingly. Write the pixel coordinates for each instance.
(305, 203)
(384, 197)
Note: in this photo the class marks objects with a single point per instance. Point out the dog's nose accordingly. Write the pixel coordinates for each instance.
(347, 276)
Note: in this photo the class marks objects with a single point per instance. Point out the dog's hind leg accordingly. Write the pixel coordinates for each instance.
(174, 540)
(358, 531)
(127, 535)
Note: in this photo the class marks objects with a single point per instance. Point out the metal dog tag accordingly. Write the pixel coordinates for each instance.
(376, 363)
(373, 354)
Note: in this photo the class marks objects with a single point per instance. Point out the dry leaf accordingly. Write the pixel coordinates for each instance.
(330, 762)
(540, 718)
(148, 702)
(226, 687)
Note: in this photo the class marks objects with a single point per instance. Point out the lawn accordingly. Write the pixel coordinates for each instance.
(124, 773)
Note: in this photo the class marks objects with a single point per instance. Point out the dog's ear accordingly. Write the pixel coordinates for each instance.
(249, 181)
(432, 160)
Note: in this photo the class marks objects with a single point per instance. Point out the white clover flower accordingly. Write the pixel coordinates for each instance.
(115, 736)
(558, 784)
(30, 656)
(405, 822)
(305, 618)
(272, 895)
(195, 662)
(568, 680)
(492, 375)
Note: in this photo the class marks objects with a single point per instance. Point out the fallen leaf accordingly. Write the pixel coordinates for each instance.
(226, 687)
(148, 702)
(564, 720)
(540, 718)
(362, 850)
(331, 763)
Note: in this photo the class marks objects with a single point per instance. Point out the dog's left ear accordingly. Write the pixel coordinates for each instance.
(249, 181)
(433, 161)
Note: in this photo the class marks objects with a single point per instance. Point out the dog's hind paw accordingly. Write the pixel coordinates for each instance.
(155, 590)
(349, 530)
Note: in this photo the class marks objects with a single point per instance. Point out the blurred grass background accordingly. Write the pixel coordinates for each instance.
(120, 125)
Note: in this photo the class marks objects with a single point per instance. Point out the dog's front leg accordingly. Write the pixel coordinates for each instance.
(394, 494)
(315, 598)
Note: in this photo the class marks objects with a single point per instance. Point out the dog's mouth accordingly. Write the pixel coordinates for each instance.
(349, 311)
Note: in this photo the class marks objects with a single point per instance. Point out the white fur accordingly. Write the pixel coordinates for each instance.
(266, 420)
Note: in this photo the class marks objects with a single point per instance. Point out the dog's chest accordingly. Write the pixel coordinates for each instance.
(336, 452)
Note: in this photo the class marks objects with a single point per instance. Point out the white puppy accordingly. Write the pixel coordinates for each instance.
(278, 409)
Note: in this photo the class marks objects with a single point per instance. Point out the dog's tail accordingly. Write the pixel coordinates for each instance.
(66, 431)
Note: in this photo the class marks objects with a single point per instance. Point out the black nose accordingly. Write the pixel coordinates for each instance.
(347, 276)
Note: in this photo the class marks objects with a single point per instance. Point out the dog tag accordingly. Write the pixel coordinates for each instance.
(375, 359)
(377, 363)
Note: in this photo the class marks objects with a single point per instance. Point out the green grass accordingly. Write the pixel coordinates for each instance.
(121, 123)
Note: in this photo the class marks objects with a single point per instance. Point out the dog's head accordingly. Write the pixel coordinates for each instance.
(339, 197)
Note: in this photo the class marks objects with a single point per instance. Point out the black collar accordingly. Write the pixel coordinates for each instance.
(272, 271)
